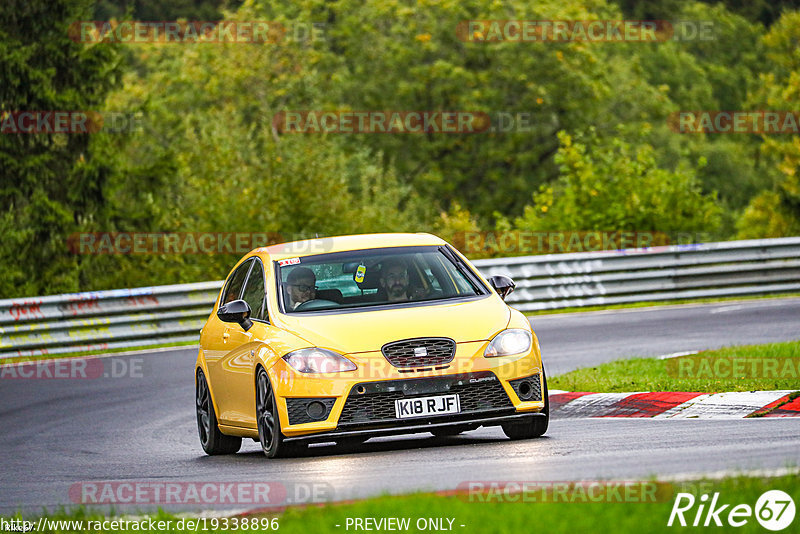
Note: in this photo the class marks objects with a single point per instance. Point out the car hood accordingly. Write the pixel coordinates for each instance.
(366, 331)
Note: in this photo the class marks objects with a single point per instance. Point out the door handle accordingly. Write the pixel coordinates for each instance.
(225, 336)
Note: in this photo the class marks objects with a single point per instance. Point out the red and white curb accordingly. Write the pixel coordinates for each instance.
(674, 404)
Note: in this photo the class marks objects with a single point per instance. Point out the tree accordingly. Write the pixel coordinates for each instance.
(775, 212)
(209, 113)
(612, 185)
(397, 57)
(51, 185)
(155, 10)
(764, 11)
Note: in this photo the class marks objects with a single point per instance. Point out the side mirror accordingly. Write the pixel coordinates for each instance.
(503, 285)
(236, 311)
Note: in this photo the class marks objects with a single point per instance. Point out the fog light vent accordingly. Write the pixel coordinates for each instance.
(315, 410)
(309, 410)
(528, 388)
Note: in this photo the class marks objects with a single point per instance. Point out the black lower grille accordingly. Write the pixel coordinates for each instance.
(374, 402)
(528, 388)
(298, 409)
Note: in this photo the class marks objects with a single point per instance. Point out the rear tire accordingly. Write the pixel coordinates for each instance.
(539, 425)
(269, 424)
(212, 440)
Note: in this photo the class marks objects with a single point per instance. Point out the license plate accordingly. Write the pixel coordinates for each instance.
(424, 406)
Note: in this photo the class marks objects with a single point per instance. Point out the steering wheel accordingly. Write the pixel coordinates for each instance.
(313, 304)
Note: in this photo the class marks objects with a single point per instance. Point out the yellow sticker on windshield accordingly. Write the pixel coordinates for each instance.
(360, 272)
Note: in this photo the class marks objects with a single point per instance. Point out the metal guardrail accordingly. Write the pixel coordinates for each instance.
(100, 320)
(733, 268)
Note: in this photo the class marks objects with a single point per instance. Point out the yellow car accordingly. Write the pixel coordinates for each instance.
(346, 338)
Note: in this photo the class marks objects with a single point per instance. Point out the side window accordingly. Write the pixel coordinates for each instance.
(233, 287)
(254, 291)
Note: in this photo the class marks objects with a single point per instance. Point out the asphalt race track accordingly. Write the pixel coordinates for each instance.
(570, 341)
(140, 427)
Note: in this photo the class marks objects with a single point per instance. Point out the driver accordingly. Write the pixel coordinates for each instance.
(301, 283)
(394, 280)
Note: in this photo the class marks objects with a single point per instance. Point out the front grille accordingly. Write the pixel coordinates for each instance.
(376, 404)
(410, 353)
(297, 409)
(528, 388)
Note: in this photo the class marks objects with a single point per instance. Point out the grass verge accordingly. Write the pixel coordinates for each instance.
(555, 512)
(771, 366)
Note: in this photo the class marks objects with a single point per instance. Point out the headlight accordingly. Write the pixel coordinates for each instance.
(508, 343)
(314, 360)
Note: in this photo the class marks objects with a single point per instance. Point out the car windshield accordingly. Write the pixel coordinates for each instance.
(375, 277)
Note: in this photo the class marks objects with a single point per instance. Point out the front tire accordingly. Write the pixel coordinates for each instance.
(212, 440)
(269, 425)
(539, 425)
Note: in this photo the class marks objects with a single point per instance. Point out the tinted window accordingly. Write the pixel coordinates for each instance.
(233, 287)
(254, 291)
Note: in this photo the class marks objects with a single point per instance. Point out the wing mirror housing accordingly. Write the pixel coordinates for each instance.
(503, 285)
(236, 311)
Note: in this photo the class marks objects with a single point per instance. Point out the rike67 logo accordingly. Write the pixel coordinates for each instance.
(774, 510)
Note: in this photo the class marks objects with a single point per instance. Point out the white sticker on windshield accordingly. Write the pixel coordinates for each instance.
(290, 261)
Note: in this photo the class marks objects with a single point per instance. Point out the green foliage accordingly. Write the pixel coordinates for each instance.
(50, 185)
(210, 159)
(776, 212)
(762, 11)
(395, 56)
(614, 185)
(227, 169)
(157, 10)
(766, 216)
(455, 223)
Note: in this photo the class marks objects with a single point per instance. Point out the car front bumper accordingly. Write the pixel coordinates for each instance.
(426, 426)
(368, 408)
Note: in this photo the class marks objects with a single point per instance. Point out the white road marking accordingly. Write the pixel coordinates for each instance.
(677, 354)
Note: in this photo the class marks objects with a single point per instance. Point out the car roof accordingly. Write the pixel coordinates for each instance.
(311, 247)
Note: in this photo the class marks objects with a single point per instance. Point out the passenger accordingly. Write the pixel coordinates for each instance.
(301, 283)
(394, 280)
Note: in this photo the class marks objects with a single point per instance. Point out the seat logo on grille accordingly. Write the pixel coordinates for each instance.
(420, 351)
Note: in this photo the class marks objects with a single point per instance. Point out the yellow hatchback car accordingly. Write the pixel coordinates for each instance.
(346, 338)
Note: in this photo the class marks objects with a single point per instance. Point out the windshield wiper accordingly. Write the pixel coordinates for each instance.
(460, 267)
